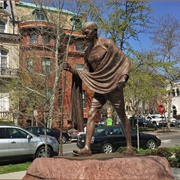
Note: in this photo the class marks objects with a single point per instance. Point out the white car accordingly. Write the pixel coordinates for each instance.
(157, 120)
(177, 123)
(17, 142)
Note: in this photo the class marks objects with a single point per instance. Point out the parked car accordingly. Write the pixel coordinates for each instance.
(107, 139)
(158, 121)
(142, 122)
(51, 132)
(17, 142)
(177, 123)
(173, 122)
(74, 134)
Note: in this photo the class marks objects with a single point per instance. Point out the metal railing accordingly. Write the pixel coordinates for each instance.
(5, 115)
(8, 71)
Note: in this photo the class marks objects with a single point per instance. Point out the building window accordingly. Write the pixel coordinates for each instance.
(4, 102)
(34, 39)
(174, 111)
(46, 39)
(79, 66)
(173, 92)
(80, 47)
(177, 90)
(39, 15)
(29, 65)
(2, 26)
(77, 23)
(46, 65)
(84, 98)
(69, 122)
(3, 61)
(1, 4)
(59, 97)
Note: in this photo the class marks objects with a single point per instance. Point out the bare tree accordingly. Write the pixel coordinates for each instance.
(166, 40)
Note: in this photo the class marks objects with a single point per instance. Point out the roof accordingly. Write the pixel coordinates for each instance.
(34, 6)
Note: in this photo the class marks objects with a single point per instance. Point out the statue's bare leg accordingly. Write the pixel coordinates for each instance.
(117, 99)
(127, 129)
(89, 132)
(96, 103)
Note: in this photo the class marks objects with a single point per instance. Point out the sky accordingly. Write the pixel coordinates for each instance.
(160, 8)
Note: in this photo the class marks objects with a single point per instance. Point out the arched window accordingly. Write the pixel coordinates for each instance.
(4, 102)
(46, 39)
(34, 39)
(3, 61)
(177, 91)
(39, 15)
(46, 65)
(2, 26)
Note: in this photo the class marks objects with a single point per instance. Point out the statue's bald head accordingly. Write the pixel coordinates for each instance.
(90, 25)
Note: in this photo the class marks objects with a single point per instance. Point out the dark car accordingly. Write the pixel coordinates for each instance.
(107, 139)
(142, 122)
(51, 132)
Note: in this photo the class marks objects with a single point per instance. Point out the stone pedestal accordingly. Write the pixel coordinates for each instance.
(101, 166)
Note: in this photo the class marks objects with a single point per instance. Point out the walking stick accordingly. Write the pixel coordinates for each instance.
(63, 94)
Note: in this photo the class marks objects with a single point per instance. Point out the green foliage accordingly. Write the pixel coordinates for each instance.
(172, 154)
(145, 84)
(14, 167)
(163, 152)
(119, 20)
(7, 122)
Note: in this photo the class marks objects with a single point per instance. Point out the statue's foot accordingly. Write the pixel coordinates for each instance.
(82, 152)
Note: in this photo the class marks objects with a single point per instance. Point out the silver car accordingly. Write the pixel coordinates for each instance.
(177, 123)
(16, 142)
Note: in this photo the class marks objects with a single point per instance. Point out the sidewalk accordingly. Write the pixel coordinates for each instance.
(15, 175)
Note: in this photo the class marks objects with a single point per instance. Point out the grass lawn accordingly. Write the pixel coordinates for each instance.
(14, 167)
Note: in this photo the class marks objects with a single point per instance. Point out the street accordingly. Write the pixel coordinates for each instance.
(168, 139)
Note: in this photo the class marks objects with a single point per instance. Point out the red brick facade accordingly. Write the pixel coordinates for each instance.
(37, 51)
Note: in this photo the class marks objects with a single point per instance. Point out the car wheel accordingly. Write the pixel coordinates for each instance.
(151, 144)
(64, 140)
(107, 148)
(155, 125)
(41, 152)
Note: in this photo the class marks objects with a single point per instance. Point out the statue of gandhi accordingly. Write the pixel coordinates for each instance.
(106, 71)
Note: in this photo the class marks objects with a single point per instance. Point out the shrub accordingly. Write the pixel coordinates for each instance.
(163, 152)
(7, 122)
(172, 154)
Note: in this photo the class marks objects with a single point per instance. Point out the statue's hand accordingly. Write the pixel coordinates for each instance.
(66, 66)
(122, 82)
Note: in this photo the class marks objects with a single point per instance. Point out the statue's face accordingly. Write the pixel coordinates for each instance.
(90, 32)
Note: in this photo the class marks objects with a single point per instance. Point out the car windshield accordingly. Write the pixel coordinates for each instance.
(98, 131)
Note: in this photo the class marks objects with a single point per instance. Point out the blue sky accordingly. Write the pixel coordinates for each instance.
(160, 8)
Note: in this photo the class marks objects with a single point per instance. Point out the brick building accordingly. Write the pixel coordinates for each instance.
(9, 60)
(40, 54)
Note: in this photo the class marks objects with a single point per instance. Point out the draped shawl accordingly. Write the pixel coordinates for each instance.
(102, 78)
(106, 76)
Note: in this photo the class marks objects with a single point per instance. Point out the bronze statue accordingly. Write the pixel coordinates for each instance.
(105, 72)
